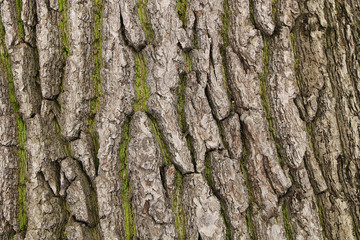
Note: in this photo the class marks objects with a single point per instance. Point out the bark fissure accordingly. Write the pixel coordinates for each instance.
(211, 119)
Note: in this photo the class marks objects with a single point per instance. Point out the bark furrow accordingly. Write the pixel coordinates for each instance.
(186, 119)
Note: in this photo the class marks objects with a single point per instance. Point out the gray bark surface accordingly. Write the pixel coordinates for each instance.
(184, 119)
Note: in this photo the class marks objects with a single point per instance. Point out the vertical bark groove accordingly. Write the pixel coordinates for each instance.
(187, 119)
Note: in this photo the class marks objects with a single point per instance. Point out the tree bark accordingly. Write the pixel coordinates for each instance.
(187, 119)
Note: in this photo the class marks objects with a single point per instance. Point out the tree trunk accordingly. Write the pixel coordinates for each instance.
(188, 119)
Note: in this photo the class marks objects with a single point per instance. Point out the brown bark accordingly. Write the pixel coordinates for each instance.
(188, 119)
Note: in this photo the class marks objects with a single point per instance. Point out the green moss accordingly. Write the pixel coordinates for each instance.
(6, 66)
(251, 9)
(181, 91)
(356, 231)
(207, 171)
(20, 21)
(178, 208)
(67, 216)
(225, 37)
(188, 62)
(249, 223)
(95, 230)
(226, 22)
(145, 21)
(181, 103)
(274, 10)
(97, 46)
(140, 83)
(160, 140)
(265, 100)
(309, 130)
(320, 214)
(130, 227)
(287, 224)
(12, 235)
(95, 103)
(183, 10)
(95, 140)
(64, 26)
(225, 220)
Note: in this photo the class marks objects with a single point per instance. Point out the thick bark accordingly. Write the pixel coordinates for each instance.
(187, 119)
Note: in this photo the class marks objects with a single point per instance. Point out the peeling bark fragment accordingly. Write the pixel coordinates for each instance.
(247, 92)
(287, 12)
(294, 141)
(304, 220)
(130, 18)
(78, 193)
(313, 72)
(165, 64)
(289, 128)
(24, 60)
(258, 175)
(45, 210)
(153, 211)
(266, 177)
(243, 37)
(202, 126)
(202, 210)
(48, 147)
(9, 19)
(82, 149)
(228, 181)
(28, 17)
(25, 70)
(53, 142)
(207, 58)
(263, 15)
(165, 113)
(76, 231)
(232, 133)
(50, 49)
(243, 77)
(79, 67)
(117, 78)
(271, 228)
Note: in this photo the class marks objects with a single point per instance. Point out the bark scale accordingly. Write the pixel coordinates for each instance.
(188, 119)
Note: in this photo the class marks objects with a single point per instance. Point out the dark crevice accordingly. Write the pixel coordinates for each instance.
(163, 180)
(243, 161)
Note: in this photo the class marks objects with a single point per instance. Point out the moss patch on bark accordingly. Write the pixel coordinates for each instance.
(20, 21)
(142, 90)
(64, 26)
(6, 65)
(130, 227)
(145, 21)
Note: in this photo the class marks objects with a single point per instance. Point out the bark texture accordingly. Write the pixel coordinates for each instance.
(179, 119)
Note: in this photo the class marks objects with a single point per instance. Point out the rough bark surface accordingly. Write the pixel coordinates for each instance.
(184, 119)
